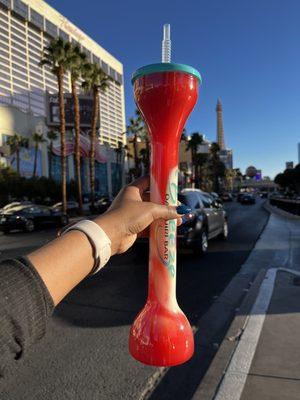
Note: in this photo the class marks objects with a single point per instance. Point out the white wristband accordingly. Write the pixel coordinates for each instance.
(99, 240)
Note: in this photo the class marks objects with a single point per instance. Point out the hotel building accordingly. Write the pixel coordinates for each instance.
(26, 27)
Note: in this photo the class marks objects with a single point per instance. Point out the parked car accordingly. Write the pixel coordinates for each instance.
(264, 195)
(72, 207)
(248, 199)
(207, 220)
(239, 196)
(14, 204)
(29, 217)
(214, 195)
(226, 196)
(101, 205)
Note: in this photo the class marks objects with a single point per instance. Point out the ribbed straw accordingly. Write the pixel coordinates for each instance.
(166, 45)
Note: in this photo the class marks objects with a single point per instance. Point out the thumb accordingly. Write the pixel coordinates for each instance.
(164, 212)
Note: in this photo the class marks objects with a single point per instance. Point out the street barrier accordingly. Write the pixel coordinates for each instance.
(289, 205)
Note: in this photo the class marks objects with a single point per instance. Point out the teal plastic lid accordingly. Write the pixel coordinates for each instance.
(165, 67)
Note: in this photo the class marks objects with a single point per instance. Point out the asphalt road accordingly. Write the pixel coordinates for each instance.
(84, 354)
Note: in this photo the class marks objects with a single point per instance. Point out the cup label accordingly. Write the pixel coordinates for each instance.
(165, 233)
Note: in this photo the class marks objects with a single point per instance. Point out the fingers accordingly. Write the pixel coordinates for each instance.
(164, 212)
(146, 196)
(142, 184)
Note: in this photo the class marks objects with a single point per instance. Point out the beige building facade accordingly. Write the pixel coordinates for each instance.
(26, 27)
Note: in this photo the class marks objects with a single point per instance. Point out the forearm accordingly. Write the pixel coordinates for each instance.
(63, 263)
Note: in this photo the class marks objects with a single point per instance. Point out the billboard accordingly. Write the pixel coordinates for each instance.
(258, 175)
(85, 106)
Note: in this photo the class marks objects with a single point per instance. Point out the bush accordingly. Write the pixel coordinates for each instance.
(40, 190)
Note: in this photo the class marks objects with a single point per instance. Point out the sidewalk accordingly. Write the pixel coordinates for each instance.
(260, 355)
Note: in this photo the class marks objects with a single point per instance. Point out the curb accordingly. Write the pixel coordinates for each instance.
(210, 384)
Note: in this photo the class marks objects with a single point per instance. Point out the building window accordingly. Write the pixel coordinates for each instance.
(51, 29)
(19, 82)
(4, 83)
(87, 52)
(63, 35)
(21, 9)
(6, 3)
(95, 60)
(3, 68)
(18, 68)
(104, 67)
(112, 73)
(119, 78)
(37, 19)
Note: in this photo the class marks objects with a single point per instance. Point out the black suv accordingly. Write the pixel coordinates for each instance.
(207, 220)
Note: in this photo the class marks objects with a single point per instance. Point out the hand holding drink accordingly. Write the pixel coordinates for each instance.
(165, 93)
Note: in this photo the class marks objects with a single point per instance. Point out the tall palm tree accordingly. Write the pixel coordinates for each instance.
(52, 136)
(16, 142)
(216, 166)
(120, 155)
(76, 66)
(144, 136)
(56, 57)
(95, 81)
(192, 144)
(134, 130)
(37, 138)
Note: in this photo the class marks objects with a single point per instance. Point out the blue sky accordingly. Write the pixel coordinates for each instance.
(247, 51)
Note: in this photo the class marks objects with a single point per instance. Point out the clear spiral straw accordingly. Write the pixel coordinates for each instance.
(166, 45)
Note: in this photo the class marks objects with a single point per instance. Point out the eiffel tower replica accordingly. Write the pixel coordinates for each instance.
(225, 154)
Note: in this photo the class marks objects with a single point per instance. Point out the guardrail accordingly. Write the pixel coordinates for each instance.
(289, 205)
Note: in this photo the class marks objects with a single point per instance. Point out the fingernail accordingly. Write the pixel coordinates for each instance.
(183, 209)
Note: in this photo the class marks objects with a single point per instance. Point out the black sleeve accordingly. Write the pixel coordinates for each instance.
(25, 306)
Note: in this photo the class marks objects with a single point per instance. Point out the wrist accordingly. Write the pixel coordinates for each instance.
(106, 223)
(99, 241)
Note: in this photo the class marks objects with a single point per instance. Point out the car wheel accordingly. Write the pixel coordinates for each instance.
(64, 220)
(224, 234)
(202, 243)
(29, 225)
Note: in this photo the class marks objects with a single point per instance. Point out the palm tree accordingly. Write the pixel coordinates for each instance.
(16, 142)
(192, 144)
(217, 167)
(95, 81)
(52, 136)
(56, 57)
(76, 66)
(144, 137)
(37, 139)
(136, 131)
(120, 153)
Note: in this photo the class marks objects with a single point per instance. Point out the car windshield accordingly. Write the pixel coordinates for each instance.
(207, 200)
(191, 198)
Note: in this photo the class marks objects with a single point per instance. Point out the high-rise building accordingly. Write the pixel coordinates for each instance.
(26, 27)
(225, 154)
(289, 165)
